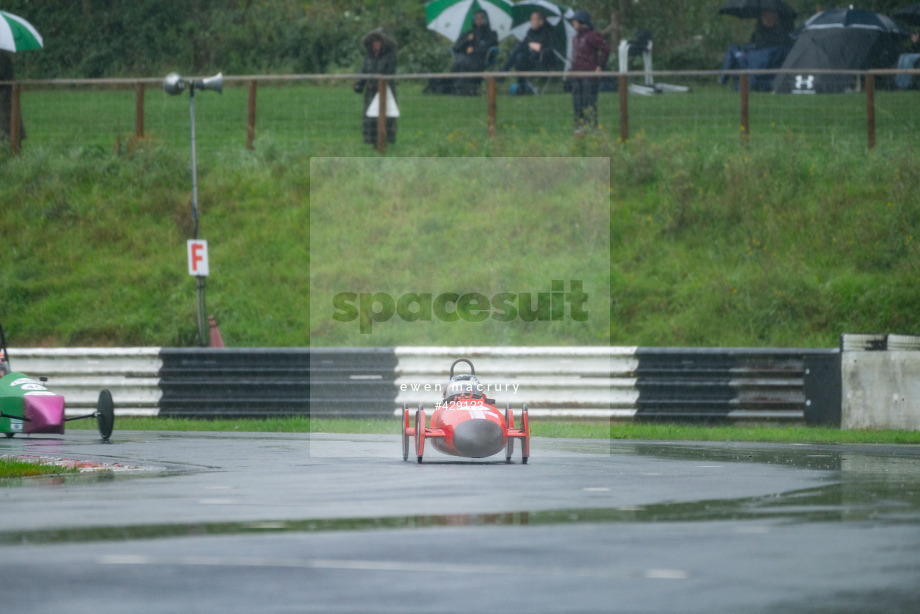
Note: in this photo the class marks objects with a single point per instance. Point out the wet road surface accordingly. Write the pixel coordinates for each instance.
(194, 522)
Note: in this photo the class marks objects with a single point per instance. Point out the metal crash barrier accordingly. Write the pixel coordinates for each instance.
(599, 383)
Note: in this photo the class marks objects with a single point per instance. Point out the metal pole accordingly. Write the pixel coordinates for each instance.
(623, 88)
(202, 320)
(191, 108)
(200, 280)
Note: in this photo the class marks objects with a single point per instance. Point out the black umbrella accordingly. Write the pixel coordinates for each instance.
(854, 18)
(910, 15)
(843, 39)
(751, 9)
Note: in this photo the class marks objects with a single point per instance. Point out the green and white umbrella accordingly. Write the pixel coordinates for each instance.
(17, 34)
(451, 18)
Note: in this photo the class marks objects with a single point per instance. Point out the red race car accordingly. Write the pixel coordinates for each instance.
(466, 422)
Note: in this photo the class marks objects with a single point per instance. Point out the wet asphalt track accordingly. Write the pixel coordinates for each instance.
(339, 523)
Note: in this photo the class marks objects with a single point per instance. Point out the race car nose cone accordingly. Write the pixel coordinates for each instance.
(478, 438)
(43, 413)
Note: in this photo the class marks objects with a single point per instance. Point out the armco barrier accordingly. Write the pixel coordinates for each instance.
(234, 382)
(754, 383)
(555, 382)
(560, 382)
(639, 383)
(261, 382)
(132, 375)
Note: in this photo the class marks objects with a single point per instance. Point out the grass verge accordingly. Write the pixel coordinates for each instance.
(539, 428)
(16, 468)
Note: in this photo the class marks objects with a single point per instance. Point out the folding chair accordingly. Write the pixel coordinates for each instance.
(642, 46)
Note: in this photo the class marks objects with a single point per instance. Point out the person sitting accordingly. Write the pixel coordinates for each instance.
(471, 53)
(768, 47)
(535, 52)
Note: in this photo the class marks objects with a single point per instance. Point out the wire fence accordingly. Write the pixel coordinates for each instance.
(322, 115)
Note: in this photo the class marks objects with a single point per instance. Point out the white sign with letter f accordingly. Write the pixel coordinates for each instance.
(198, 258)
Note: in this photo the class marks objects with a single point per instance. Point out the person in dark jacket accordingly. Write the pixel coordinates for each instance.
(380, 59)
(535, 52)
(471, 52)
(768, 47)
(771, 31)
(590, 52)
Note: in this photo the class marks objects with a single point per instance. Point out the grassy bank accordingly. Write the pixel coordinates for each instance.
(539, 428)
(787, 243)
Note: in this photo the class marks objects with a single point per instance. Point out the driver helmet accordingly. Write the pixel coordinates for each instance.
(463, 385)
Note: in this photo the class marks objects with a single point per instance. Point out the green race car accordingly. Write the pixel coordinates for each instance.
(27, 406)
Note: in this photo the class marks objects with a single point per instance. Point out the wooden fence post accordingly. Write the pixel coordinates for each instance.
(493, 108)
(745, 89)
(15, 133)
(139, 110)
(381, 115)
(623, 88)
(870, 110)
(251, 116)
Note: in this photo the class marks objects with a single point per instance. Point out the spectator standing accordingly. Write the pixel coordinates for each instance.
(379, 59)
(590, 52)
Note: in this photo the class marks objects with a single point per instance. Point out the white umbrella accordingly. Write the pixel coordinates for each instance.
(17, 34)
(451, 18)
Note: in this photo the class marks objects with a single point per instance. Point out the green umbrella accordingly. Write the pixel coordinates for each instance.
(451, 18)
(17, 34)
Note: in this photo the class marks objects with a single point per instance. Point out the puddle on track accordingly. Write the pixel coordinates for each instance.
(881, 486)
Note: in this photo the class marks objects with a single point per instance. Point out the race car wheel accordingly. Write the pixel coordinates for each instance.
(105, 414)
(420, 432)
(525, 444)
(9, 435)
(509, 441)
(405, 431)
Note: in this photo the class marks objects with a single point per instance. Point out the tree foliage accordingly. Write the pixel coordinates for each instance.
(147, 38)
